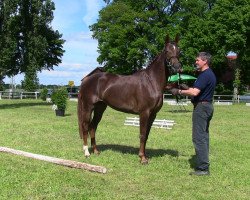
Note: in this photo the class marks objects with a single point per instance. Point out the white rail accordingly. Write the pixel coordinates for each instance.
(18, 95)
(158, 123)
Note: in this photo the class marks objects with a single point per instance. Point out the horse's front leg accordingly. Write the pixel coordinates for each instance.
(144, 120)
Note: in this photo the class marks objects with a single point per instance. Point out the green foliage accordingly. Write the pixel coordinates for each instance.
(237, 81)
(131, 33)
(31, 126)
(59, 97)
(27, 40)
(31, 81)
(1, 83)
(223, 26)
(43, 94)
(129, 36)
(221, 89)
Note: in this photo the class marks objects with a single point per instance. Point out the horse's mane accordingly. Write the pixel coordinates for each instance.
(102, 69)
(152, 61)
(149, 64)
(155, 58)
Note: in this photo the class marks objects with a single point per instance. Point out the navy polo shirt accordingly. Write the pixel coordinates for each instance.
(205, 82)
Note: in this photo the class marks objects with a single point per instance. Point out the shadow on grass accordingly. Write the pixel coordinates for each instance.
(22, 104)
(132, 150)
(192, 161)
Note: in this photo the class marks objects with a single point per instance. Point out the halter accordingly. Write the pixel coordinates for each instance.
(171, 69)
(169, 65)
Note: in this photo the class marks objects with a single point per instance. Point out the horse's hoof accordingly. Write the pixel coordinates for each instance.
(87, 154)
(144, 161)
(97, 153)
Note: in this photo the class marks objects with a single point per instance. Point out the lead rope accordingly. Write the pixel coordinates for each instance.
(178, 86)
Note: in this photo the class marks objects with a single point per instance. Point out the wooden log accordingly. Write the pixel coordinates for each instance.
(58, 161)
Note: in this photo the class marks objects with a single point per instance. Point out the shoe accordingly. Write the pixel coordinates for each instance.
(200, 173)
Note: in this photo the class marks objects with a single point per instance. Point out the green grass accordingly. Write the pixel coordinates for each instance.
(31, 125)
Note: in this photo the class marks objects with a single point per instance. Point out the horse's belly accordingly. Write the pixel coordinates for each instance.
(124, 105)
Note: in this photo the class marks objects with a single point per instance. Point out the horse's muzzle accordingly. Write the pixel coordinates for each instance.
(180, 70)
(176, 68)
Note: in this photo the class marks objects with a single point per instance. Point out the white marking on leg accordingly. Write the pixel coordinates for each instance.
(86, 151)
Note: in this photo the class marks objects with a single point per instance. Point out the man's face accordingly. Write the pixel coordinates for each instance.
(200, 63)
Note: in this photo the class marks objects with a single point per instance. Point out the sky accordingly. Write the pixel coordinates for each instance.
(72, 19)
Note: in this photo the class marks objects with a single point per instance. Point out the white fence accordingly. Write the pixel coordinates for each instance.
(167, 98)
(18, 95)
(158, 123)
(217, 99)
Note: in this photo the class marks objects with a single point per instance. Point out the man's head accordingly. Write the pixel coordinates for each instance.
(203, 61)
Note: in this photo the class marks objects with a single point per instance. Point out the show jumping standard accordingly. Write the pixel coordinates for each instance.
(142, 93)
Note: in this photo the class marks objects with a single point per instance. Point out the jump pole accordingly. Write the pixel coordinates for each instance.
(58, 161)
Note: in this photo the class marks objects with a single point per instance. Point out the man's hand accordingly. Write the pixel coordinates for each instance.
(170, 86)
(184, 86)
(174, 91)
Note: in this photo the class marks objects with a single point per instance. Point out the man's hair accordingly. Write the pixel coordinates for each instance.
(205, 56)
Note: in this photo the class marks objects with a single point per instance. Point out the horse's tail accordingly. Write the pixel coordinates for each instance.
(80, 114)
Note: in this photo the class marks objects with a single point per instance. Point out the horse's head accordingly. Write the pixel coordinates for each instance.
(172, 55)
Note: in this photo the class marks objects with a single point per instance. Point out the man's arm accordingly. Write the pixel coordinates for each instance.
(188, 92)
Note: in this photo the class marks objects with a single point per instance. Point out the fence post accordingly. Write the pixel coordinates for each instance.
(0, 95)
(21, 96)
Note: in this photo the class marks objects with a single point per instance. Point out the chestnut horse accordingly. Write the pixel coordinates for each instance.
(140, 93)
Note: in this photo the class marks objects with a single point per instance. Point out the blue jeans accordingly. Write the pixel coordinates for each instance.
(202, 114)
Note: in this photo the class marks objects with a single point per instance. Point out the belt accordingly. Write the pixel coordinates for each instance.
(201, 102)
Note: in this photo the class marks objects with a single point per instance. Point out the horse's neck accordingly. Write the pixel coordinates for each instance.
(157, 72)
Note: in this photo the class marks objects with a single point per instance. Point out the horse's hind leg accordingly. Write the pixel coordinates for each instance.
(85, 129)
(84, 116)
(99, 108)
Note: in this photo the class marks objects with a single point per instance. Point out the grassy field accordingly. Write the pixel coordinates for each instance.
(31, 125)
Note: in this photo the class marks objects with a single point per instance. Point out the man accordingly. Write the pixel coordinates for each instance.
(202, 97)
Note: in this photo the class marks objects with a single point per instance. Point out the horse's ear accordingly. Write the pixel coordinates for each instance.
(167, 40)
(177, 38)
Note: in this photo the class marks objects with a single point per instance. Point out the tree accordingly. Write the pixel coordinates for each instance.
(130, 33)
(223, 27)
(31, 81)
(1, 83)
(27, 40)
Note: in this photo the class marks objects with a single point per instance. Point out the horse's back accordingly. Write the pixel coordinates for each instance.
(96, 70)
(127, 93)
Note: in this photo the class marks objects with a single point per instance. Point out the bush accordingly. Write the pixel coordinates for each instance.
(43, 94)
(59, 98)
